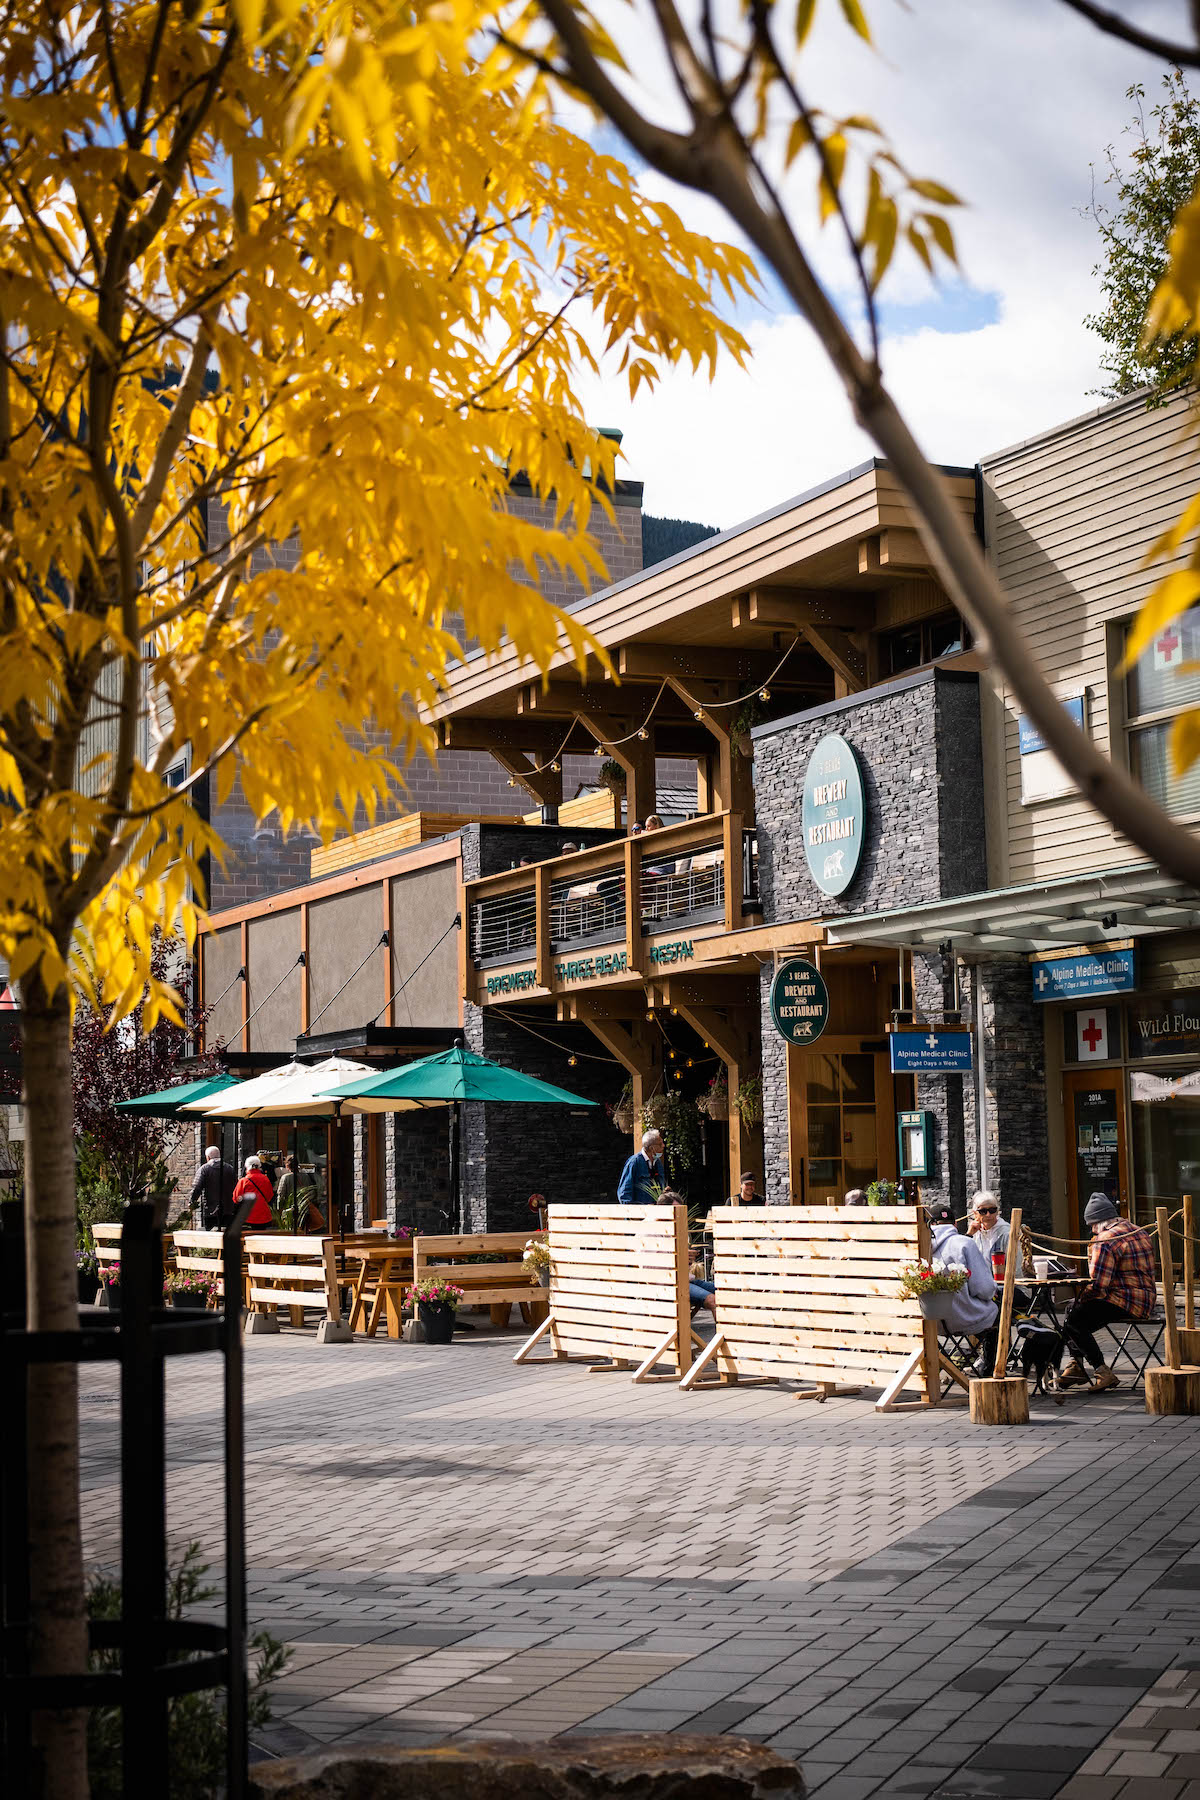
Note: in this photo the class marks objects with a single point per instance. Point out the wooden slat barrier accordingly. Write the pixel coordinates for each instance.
(500, 1282)
(619, 1287)
(812, 1293)
(299, 1273)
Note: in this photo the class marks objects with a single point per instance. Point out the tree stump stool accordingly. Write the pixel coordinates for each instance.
(1000, 1402)
(1173, 1390)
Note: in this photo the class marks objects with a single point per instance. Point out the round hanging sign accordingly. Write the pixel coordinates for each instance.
(833, 814)
(799, 1001)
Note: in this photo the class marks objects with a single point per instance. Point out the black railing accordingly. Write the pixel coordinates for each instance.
(159, 1657)
(590, 908)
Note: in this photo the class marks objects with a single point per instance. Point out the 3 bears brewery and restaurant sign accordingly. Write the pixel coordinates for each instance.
(832, 814)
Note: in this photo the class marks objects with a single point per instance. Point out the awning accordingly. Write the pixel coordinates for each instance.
(165, 1104)
(1045, 916)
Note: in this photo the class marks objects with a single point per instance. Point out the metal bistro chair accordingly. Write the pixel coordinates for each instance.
(1148, 1335)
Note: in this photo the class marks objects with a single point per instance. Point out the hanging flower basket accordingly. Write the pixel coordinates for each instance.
(933, 1285)
(622, 1117)
(715, 1100)
(749, 1102)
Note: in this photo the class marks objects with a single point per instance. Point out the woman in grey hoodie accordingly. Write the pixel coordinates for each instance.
(974, 1312)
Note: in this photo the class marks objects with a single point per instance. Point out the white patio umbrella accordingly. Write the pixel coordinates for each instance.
(296, 1091)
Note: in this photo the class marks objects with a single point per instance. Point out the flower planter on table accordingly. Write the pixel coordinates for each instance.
(189, 1299)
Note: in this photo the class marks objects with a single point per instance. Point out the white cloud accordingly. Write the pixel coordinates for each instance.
(1009, 104)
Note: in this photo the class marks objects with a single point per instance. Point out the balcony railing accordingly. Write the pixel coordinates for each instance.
(702, 872)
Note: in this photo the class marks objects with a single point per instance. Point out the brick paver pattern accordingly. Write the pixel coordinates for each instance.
(907, 1604)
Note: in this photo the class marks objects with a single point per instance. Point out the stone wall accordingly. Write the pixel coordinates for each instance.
(1014, 1060)
(510, 1152)
(918, 744)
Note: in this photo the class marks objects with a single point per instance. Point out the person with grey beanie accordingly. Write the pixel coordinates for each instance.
(1122, 1284)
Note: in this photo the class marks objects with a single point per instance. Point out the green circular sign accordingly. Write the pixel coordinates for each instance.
(799, 1001)
(832, 814)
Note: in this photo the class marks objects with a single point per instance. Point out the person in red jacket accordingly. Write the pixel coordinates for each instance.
(254, 1181)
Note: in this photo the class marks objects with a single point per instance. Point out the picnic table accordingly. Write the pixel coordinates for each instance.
(385, 1271)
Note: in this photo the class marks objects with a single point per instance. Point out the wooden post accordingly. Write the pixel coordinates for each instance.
(1004, 1398)
(683, 1298)
(931, 1361)
(1189, 1337)
(1174, 1389)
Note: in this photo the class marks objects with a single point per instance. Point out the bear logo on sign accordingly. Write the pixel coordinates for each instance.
(833, 865)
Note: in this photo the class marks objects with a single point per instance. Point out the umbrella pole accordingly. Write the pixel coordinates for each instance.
(456, 1163)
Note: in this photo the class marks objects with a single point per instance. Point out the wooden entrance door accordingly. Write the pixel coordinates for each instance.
(842, 1122)
(1095, 1133)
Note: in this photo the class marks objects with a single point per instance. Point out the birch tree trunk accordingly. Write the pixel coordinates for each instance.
(58, 1605)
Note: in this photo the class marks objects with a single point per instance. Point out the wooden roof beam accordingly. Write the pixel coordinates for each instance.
(793, 609)
(897, 550)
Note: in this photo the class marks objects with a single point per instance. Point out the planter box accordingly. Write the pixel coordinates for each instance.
(938, 1305)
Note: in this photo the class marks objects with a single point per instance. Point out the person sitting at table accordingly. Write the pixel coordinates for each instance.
(974, 1312)
(855, 1197)
(986, 1224)
(644, 1176)
(702, 1293)
(1122, 1284)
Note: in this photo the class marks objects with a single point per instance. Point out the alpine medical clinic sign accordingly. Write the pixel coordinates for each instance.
(833, 814)
(1082, 974)
(1042, 775)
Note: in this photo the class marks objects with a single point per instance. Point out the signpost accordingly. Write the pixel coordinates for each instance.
(931, 1050)
(833, 814)
(799, 1001)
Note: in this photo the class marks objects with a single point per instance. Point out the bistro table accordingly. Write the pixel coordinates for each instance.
(386, 1271)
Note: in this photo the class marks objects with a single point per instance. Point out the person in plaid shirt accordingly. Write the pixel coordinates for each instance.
(1123, 1285)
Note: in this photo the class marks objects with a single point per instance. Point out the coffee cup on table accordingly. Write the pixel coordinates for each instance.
(1041, 1267)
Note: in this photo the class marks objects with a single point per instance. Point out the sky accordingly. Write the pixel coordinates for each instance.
(1008, 102)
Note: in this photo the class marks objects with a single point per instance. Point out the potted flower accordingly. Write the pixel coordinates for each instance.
(613, 777)
(537, 1260)
(715, 1099)
(435, 1303)
(403, 1234)
(110, 1285)
(87, 1276)
(933, 1286)
(190, 1289)
(886, 1193)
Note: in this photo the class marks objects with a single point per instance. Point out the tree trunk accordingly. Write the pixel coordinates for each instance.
(57, 1598)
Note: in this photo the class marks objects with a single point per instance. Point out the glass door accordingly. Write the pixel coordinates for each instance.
(846, 1123)
(1095, 1140)
(1165, 1112)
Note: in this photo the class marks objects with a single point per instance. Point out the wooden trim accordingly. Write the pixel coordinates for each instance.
(389, 961)
(245, 952)
(392, 836)
(305, 973)
(672, 840)
(733, 870)
(633, 905)
(419, 858)
(543, 955)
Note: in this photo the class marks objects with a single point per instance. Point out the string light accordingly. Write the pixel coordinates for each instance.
(650, 1014)
(764, 694)
(572, 1062)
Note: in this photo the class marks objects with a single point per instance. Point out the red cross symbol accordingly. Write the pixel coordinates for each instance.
(1166, 646)
(1092, 1034)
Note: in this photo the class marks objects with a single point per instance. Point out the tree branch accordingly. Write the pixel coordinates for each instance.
(1187, 56)
(717, 167)
(190, 389)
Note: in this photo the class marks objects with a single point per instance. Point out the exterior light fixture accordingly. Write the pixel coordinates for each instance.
(555, 767)
(572, 1061)
(764, 694)
(697, 714)
(599, 750)
(643, 733)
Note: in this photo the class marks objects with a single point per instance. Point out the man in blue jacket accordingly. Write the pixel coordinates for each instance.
(645, 1175)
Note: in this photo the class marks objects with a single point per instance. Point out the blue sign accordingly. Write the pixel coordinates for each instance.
(833, 814)
(931, 1050)
(1031, 739)
(1090, 972)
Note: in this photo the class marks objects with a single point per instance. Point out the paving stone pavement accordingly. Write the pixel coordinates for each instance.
(907, 1604)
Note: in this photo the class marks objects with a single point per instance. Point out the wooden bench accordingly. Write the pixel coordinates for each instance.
(299, 1273)
(203, 1253)
(497, 1283)
(106, 1241)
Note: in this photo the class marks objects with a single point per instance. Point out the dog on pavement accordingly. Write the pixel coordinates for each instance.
(1041, 1351)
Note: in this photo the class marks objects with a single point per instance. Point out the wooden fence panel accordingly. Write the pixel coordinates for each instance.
(619, 1286)
(812, 1293)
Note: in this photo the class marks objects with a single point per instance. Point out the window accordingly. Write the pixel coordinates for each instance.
(912, 646)
(1163, 682)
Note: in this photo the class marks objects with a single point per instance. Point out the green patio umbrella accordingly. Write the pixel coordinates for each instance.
(448, 1079)
(167, 1102)
(439, 1080)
